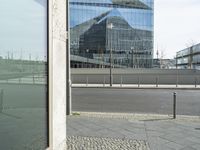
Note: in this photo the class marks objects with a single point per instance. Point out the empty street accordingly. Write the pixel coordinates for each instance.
(157, 101)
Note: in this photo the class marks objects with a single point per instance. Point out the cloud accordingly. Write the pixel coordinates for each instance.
(176, 23)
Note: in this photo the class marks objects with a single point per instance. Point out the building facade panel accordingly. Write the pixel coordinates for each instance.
(130, 39)
(189, 57)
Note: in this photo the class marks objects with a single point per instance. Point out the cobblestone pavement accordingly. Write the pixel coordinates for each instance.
(158, 132)
(96, 143)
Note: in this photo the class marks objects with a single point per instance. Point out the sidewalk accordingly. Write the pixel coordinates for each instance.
(103, 131)
(136, 86)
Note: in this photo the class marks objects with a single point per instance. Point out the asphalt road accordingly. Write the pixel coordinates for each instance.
(159, 101)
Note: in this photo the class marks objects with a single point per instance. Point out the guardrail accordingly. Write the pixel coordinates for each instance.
(32, 79)
(137, 79)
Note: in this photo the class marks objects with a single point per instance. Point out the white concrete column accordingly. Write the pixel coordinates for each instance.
(57, 74)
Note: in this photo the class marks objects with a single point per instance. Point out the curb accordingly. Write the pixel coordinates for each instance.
(148, 88)
(135, 116)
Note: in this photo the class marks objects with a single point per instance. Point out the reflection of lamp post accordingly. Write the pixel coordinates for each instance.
(110, 26)
(131, 52)
(87, 51)
(127, 52)
(136, 54)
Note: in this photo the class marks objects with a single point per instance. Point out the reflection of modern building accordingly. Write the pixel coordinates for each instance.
(189, 57)
(130, 38)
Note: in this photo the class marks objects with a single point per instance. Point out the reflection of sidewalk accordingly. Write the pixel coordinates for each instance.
(23, 128)
(133, 132)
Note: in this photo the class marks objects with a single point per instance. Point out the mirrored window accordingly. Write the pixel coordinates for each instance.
(23, 75)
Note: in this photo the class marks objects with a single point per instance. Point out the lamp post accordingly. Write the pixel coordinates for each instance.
(110, 26)
(176, 61)
(87, 51)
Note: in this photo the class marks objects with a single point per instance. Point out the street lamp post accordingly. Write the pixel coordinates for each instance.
(176, 61)
(87, 50)
(176, 70)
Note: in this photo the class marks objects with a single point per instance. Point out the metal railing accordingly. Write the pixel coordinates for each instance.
(138, 80)
(32, 79)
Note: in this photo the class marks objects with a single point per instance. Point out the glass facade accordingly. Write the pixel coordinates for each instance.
(189, 57)
(130, 37)
(23, 75)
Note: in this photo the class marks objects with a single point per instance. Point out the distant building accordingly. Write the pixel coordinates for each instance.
(189, 58)
(164, 63)
(124, 27)
(156, 63)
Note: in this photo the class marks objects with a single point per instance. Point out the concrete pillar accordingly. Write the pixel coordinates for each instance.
(57, 74)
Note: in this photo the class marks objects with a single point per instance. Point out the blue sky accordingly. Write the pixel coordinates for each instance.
(176, 25)
(22, 29)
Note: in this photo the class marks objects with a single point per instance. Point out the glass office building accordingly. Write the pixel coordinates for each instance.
(189, 58)
(117, 30)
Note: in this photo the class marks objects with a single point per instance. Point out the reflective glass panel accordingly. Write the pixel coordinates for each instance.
(23, 75)
(130, 40)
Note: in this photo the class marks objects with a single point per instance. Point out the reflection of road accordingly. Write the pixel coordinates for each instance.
(135, 101)
(24, 115)
(5, 76)
(23, 96)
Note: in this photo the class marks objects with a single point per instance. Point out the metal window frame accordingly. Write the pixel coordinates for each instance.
(49, 76)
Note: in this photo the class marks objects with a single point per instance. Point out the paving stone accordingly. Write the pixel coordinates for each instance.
(173, 145)
(158, 133)
(96, 143)
(156, 143)
(188, 148)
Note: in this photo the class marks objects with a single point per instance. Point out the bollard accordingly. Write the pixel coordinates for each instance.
(33, 79)
(19, 80)
(87, 81)
(177, 81)
(138, 81)
(174, 105)
(104, 80)
(121, 81)
(195, 82)
(1, 100)
(156, 81)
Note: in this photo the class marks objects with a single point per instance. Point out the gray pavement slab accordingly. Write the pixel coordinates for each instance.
(159, 132)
